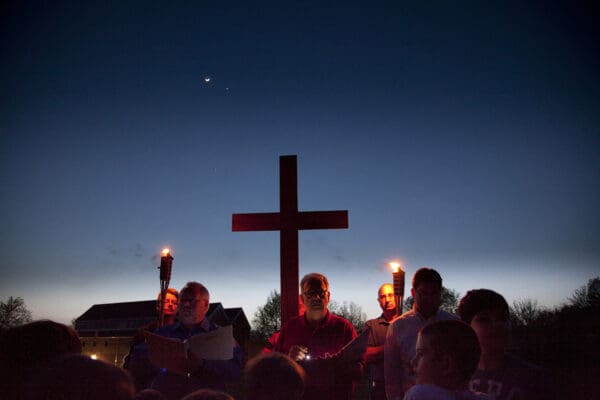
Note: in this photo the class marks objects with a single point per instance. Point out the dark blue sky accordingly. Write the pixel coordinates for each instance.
(461, 136)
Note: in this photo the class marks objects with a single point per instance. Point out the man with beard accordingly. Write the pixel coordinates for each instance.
(379, 327)
(315, 340)
(402, 334)
(211, 374)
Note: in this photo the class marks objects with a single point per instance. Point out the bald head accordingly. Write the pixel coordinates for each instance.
(385, 297)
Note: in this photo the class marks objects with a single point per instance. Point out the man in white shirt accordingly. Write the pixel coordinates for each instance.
(402, 333)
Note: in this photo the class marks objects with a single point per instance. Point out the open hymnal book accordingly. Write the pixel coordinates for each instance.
(172, 354)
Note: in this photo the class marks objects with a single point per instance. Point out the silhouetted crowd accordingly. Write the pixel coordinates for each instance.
(424, 353)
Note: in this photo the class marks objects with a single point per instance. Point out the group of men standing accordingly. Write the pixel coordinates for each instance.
(316, 340)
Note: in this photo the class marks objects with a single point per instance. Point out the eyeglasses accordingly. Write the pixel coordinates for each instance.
(311, 294)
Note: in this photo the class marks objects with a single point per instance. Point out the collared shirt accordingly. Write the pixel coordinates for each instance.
(379, 328)
(399, 350)
(327, 339)
(212, 375)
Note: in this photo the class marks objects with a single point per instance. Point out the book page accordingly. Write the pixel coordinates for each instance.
(167, 353)
(354, 350)
(213, 345)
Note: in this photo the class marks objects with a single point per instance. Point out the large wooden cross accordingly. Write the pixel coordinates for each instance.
(288, 221)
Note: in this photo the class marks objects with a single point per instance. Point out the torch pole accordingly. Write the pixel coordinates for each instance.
(398, 276)
(166, 263)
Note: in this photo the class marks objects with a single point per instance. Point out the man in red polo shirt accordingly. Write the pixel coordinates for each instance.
(315, 339)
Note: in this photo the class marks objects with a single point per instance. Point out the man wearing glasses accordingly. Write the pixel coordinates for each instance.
(212, 374)
(315, 339)
(402, 334)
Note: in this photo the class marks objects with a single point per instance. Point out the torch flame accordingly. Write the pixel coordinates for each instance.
(395, 266)
(166, 251)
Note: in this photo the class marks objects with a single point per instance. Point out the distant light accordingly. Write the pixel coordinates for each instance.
(207, 79)
(94, 357)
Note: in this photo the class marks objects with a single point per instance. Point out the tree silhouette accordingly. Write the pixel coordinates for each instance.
(267, 319)
(562, 340)
(525, 311)
(13, 313)
(587, 295)
(351, 311)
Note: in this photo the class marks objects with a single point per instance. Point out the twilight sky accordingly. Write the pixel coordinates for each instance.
(461, 136)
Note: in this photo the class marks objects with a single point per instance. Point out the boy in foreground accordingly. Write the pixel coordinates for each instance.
(447, 354)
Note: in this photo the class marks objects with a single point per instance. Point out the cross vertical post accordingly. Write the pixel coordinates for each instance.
(288, 221)
(288, 243)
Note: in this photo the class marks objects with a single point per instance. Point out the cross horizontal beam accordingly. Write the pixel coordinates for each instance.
(337, 219)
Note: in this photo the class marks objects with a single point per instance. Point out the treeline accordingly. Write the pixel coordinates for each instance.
(564, 340)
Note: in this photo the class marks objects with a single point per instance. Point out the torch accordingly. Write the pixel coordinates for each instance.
(398, 276)
(166, 263)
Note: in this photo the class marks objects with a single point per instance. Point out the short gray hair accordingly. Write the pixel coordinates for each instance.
(314, 276)
(195, 286)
